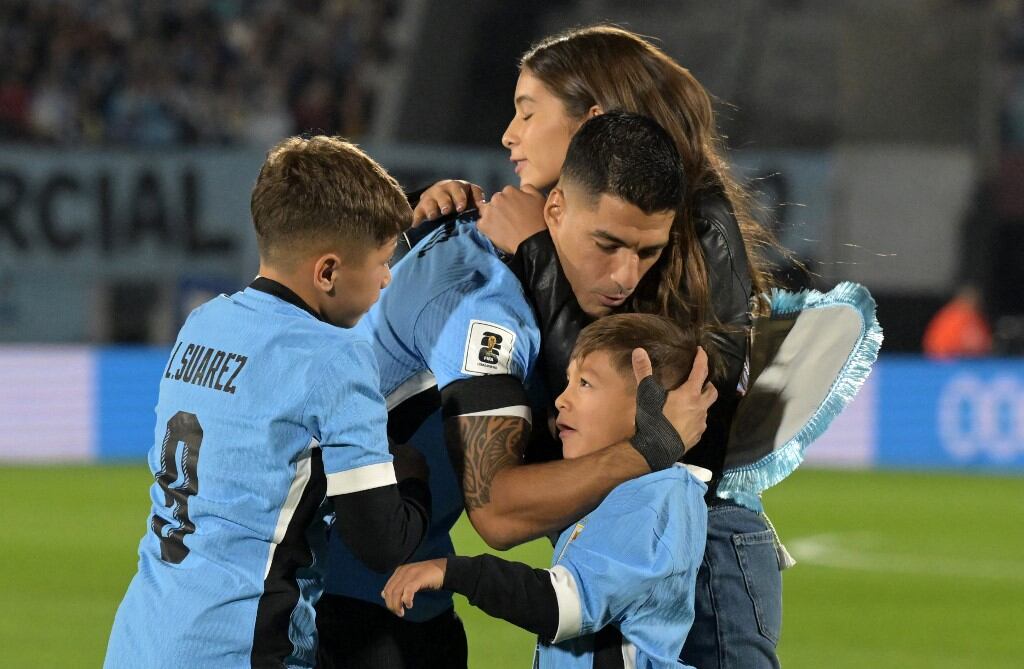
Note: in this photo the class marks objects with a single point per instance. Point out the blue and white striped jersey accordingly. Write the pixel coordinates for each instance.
(629, 568)
(453, 311)
(263, 412)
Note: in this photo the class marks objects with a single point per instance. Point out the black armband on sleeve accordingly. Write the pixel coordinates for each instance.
(512, 591)
(559, 315)
(408, 416)
(384, 526)
(478, 394)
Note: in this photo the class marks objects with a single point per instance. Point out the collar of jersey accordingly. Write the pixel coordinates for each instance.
(282, 292)
(472, 217)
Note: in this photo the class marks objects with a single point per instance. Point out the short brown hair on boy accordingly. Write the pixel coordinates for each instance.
(322, 191)
(671, 346)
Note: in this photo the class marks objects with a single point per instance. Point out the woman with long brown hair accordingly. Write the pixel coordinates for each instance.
(711, 272)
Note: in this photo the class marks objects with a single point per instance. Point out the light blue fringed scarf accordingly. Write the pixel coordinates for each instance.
(808, 359)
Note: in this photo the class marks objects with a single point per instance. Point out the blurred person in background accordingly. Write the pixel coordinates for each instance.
(960, 328)
(711, 277)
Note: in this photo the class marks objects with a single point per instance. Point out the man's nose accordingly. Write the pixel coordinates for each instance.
(627, 272)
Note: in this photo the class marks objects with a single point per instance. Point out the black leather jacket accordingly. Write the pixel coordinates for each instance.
(561, 319)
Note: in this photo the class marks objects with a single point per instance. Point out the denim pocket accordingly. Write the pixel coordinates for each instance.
(759, 563)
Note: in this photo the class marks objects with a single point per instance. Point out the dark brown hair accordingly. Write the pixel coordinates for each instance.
(321, 191)
(670, 344)
(618, 70)
(629, 157)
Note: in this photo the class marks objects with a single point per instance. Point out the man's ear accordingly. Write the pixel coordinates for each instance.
(325, 272)
(595, 110)
(554, 208)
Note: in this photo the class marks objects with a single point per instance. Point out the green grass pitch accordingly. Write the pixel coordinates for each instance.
(895, 569)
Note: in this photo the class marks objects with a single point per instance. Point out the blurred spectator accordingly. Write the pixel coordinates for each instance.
(960, 329)
(191, 72)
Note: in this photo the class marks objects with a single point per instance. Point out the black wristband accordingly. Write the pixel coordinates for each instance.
(655, 438)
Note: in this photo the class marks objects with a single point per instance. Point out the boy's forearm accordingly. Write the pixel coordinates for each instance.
(384, 526)
(512, 591)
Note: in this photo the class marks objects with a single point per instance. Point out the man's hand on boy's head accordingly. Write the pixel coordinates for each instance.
(400, 590)
(667, 424)
(687, 406)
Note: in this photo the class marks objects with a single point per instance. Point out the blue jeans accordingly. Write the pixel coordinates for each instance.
(738, 595)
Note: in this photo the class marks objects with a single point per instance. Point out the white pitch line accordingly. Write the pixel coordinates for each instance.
(854, 550)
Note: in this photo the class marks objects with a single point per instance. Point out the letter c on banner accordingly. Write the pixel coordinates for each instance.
(978, 417)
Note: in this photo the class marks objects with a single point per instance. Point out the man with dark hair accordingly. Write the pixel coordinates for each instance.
(622, 578)
(269, 406)
(454, 332)
(610, 218)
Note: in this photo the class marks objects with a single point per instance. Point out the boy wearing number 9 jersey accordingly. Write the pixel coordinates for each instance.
(271, 426)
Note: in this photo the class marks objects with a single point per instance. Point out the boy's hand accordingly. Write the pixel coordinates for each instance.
(444, 196)
(401, 588)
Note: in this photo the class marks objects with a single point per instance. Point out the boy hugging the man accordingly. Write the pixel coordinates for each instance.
(622, 578)
(253, 463)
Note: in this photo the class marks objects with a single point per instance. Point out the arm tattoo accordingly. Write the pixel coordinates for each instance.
(480, 447)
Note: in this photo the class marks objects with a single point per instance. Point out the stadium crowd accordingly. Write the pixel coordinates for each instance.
(146, 72)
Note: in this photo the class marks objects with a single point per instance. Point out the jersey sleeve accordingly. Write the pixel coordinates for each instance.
(609, 569)
(481, 327)
(350, 419)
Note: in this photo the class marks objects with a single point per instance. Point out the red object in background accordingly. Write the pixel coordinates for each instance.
(959, 329)
(14, 102)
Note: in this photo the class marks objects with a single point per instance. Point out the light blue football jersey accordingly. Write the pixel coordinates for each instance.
(630, 567)
(263, 412)
(453, 311)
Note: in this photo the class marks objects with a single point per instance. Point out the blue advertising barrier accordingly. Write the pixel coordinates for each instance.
(950, 414)
(60, 404)
(128, 383)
